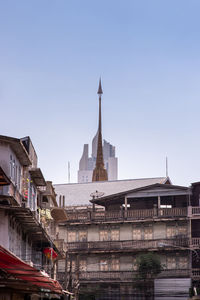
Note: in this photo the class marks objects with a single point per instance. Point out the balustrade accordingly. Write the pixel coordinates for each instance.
(127, 276)
(196, 210)
(128, 245)
(137, 214)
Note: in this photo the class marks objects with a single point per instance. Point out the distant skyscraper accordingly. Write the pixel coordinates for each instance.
(93, 168)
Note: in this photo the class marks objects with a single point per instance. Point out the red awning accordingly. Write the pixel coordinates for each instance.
(20, 270)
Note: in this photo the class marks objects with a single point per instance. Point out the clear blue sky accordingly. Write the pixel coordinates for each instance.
(148, 55)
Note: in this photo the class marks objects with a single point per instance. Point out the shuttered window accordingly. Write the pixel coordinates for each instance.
(137, 234)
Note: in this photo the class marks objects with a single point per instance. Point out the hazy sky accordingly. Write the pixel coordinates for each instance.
(148, 55)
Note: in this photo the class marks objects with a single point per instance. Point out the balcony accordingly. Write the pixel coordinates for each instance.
(126, 276)
(127, 245)
(11, 192)
(129, 215)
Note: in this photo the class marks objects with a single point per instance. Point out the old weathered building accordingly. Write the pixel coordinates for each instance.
(104, 241)
(27, 252)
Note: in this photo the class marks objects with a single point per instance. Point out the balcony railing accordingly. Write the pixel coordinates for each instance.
(138, 214)
(128, 245)
(126, 276)
(196, 210)
(195, 242)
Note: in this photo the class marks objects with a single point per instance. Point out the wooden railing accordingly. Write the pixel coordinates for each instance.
(173, 212)
(195, 242)
(126, 276)
(89, 216)
(140, 214)
(128, 245)
(195, 210)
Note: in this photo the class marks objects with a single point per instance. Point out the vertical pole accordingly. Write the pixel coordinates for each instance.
(159, 210)
(68, 172)
(125, 203)
(65, 278)
(158, 202)
(166, 166)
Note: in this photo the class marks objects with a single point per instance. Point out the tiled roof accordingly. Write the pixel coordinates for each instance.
(79, 193)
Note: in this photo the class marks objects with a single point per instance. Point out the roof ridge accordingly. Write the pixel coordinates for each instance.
(119, 180)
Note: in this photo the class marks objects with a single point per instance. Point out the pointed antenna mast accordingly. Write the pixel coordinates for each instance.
(166, 166)
(68, 172)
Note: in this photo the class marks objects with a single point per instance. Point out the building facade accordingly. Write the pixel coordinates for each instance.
(26, 267)
(104, 242)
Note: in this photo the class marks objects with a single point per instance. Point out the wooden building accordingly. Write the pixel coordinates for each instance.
(104, 241)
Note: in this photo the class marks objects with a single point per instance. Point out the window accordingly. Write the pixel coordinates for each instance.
(13, 172)
(114, 234)
(171, 263)
(137, 234)
(103, 265)
(182, 230)
(71, 236)
(135, 267)
(148, 233)
(82, 236)
(11, 167)
(82, 265)
(171, 231)
(183, 262)
(73, 266)
(19, 178)
(115, 264)
(103, 235)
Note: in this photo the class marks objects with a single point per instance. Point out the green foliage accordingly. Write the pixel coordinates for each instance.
(191, 292)
(148, 265)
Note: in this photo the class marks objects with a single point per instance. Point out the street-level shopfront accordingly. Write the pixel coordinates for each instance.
(19, 280)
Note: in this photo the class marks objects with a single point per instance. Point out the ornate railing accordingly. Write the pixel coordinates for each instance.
(196, 273)
(128, 245)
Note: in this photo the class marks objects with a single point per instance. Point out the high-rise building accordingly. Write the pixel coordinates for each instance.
(102, 157)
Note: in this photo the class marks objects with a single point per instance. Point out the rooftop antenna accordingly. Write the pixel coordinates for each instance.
(166, 166)
(68, 172)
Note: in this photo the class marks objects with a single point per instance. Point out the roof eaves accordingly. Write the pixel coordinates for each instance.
(136, 190)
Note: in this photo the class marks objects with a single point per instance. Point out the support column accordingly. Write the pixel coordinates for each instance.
(158, 202)
(125, 208)
(159, 211)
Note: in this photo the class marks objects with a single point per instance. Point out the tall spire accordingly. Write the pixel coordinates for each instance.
(99, 172)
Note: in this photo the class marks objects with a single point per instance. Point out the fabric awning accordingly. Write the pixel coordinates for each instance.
(14, 266)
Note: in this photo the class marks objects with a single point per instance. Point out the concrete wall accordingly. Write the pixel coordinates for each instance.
(4, 234)
(93, 233)
(5, 159)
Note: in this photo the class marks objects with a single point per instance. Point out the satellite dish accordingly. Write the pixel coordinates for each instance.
(96, 195)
